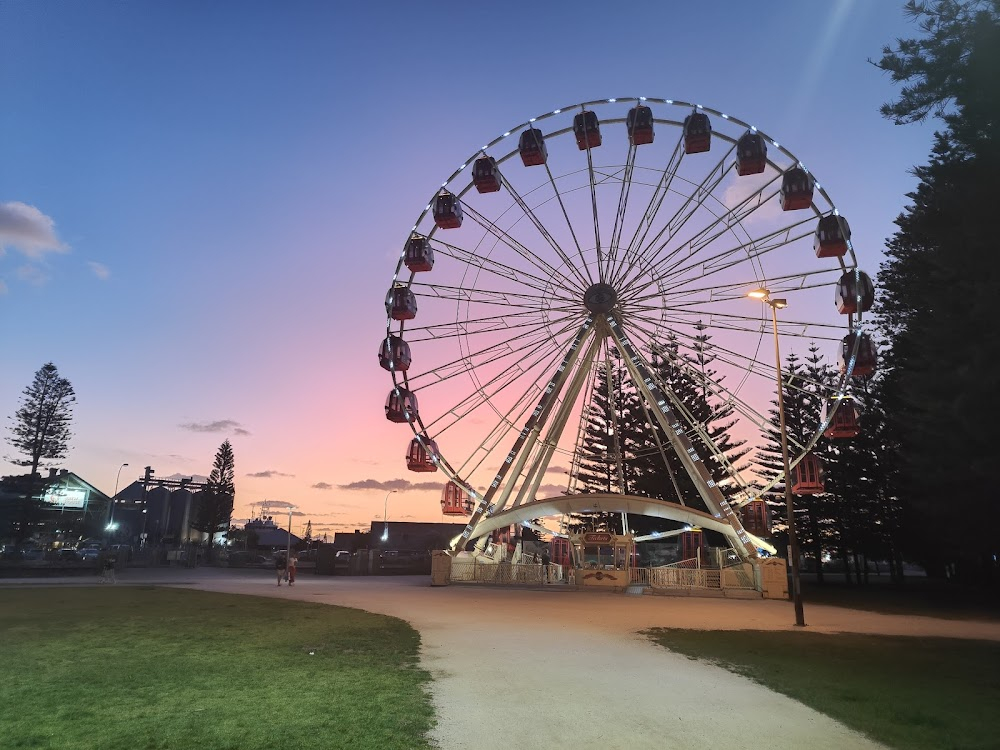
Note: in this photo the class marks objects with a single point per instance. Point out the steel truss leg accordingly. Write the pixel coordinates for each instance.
(686, 452)
(529, 433)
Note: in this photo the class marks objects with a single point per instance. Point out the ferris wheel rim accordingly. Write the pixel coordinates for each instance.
(417, 425)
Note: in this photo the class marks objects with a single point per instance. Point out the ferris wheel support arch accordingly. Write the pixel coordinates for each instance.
(602, 502)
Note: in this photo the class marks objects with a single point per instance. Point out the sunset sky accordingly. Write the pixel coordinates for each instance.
(202, 204)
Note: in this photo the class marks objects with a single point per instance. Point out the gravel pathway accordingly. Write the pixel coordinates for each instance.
(559, 669)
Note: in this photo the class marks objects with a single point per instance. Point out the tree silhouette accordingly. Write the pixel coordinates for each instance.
(215, 509)
(40, 432)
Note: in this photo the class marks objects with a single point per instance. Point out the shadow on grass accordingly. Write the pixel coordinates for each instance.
(909, 693)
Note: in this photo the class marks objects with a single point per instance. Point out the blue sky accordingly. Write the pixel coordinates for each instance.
(203, 202)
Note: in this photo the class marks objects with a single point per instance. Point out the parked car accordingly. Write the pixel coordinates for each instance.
(68, 554)
(89, 553)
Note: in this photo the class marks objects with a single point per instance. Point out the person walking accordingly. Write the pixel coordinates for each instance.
(545, 565)
(108, 570)
(293, 562)
(280, 566)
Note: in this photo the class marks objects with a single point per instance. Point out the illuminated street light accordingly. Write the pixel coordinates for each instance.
(111, 526)
(385, 518)
(793, 542)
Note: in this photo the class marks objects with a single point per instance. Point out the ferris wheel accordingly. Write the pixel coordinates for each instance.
(597, 233)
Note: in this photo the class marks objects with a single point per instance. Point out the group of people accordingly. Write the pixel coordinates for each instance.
(285, 568)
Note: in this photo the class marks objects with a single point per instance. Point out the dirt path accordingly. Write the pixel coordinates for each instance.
(557, 669)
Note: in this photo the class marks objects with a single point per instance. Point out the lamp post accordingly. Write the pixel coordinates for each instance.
(111, 507)
(385, 518)
(288, 547)
(793, 542)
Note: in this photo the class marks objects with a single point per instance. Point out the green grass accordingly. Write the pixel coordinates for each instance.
(909, 693)
(918, 596)
(156, 668)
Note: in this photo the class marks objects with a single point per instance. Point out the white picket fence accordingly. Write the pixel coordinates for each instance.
(682, 575)
(472, 570)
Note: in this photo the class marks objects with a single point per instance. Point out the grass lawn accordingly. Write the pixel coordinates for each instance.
(918, 596)
(145, 667)
(909, 693)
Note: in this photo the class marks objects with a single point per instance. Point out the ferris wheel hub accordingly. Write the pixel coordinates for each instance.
(600, 298)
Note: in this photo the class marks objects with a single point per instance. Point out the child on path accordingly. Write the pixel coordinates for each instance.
(279, 567)
(293, 561)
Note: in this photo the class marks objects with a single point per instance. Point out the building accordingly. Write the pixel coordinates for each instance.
(62, 510)
(264, 534)
(405, 535)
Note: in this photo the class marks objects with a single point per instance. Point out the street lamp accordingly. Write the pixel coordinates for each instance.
(288, 548)
(111, 526)
(793, 542)
(385, 518)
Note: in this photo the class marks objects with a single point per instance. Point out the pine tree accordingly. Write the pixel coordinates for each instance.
(649, 464)
(935, 306)
(40, 431)
(605, 460)
(216, 507)
(801, 410)
(41, 423)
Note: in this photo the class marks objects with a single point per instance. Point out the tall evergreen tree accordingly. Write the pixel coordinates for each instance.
(41, 428)
(649, 464)
(215, 511)
(40, 432)
(937, 285)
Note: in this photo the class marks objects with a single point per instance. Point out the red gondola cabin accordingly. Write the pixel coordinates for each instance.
(417, 253)
(832, 235)
(486, 175)
(697, 133)
(531, 147)
(807, 476)
(587, 130)
(400, 303)
(394, 354)
(455, 501)
(421, 458)
(855, 292)
(845, 422)
(639, 123)
(400, 406)
(796, 189)
(751, 154)
(447, 210)
(867, 356)
(756, 518)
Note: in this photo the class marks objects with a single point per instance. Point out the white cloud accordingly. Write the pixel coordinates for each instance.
(740, 189)
(100, 270)
(32, 275)
(28, 230)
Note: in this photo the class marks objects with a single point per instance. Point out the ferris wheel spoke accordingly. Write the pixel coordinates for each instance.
(569, 224)
(750, 251)
(649, 215)
(727, 291)
(620, 213)
(722, 223)
(493, 266)
(597, 222)
(490, 389)
(514, 346)
(474, 326)
(694, 202)
(519, 248)
(481, 296)
(547, 236)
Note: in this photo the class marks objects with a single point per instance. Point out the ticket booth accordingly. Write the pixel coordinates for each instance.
(601, 558)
